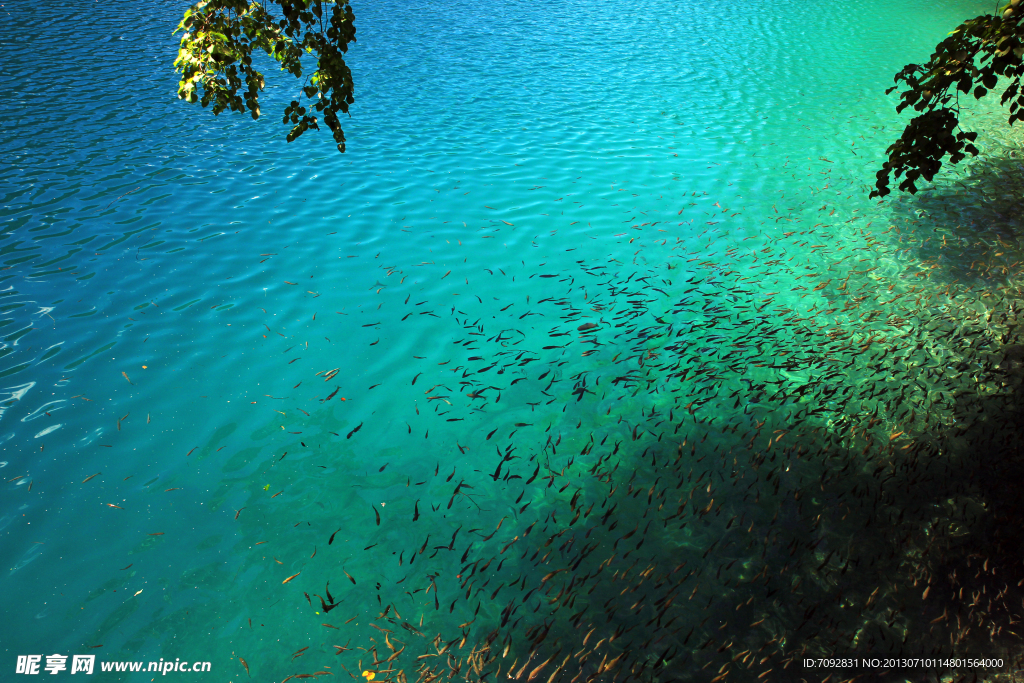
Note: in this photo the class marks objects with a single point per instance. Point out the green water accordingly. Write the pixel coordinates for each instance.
(690, 178)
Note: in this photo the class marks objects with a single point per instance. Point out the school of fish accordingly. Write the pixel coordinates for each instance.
(734, 459)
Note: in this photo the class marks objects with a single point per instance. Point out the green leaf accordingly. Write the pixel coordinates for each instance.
(219, 37)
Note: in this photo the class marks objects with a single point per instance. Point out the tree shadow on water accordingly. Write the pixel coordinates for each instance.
(969, 224)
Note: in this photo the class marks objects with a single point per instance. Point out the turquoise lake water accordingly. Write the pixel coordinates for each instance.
(616, 250)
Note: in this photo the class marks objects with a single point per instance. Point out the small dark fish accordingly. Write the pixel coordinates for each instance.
(586, 326)
(382, 468)
(415, 510)
(551, 575)
(360, 426)
(91, 476)
(331, 539)
(246, 667)
(336, 390)
(377, 515)
(326, 607)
